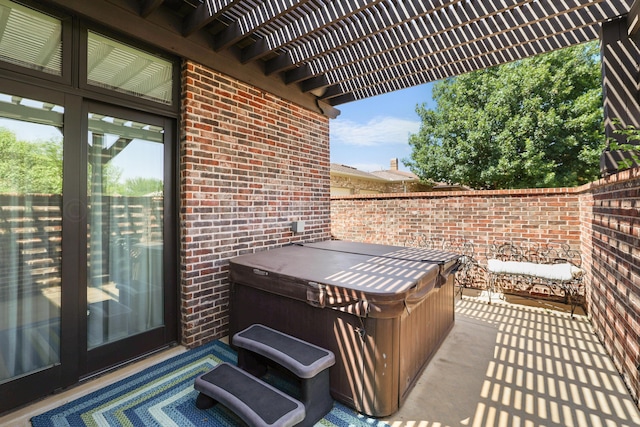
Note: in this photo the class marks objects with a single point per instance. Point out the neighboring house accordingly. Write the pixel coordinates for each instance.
(347, 180)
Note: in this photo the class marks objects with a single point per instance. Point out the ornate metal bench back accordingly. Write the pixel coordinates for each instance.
(470, 274)
(540, 253)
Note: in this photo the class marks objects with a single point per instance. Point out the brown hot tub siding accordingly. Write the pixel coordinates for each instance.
(379, 354)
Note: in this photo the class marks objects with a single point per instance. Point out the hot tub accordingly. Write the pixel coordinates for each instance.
(382, 310)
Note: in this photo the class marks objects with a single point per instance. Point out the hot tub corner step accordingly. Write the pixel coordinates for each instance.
(254, 401)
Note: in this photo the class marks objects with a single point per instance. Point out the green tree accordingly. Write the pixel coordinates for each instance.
(140, 186)
(532, 123)
(30, 166)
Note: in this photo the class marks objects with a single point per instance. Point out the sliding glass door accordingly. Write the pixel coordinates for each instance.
(115, 292)
(126, 200)
(31, 147)
(125, 228)
(88, 235)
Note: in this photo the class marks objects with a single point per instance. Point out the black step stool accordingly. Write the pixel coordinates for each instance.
(306, 361)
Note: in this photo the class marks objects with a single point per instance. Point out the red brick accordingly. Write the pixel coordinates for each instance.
(233, 142)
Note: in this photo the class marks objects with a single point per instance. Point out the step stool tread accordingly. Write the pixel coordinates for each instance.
(256, 402)
(302, 358)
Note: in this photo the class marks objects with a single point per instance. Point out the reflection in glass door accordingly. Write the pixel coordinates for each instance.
(30, 235)
(125, 229)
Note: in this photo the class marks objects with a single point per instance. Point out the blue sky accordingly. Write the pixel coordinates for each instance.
(369, 133)
(366, 135)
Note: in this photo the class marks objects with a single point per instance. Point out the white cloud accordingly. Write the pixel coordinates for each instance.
(378, 131)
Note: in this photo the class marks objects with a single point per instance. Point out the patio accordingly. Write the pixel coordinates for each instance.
(525, 363)
(247, 95)
(510, 364)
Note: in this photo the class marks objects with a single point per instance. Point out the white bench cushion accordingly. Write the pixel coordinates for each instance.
(561, 272)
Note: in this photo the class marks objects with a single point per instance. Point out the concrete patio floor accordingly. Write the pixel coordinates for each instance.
(503, 364)
(506, 364)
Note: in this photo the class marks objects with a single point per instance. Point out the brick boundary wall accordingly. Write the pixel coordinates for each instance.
(251, 163)
(480, 216)
(601, 219)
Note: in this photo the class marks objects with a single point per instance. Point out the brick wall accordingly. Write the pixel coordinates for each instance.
(480, 216)
(251, 163)
(611, 246)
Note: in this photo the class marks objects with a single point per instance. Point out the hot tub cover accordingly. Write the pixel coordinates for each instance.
(360, 278)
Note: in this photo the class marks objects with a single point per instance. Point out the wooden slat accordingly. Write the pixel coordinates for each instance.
(346, 50)
(249, 23)
(474, 40)
(308, 23)
(369, 86)
(633, 19)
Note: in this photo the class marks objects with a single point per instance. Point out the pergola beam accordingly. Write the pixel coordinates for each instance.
(407, 45)
(204, 14)
(384, 81)
(148, 6)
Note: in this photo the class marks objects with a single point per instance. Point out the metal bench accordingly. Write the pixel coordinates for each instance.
(259, 344)
(551, 270)
(542, 270)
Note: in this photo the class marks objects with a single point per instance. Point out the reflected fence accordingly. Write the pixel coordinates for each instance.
(31, 236)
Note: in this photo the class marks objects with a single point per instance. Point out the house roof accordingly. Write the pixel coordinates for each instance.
(382, 175)
(338, 169)
(338, 51)
(396, 175)
(390, 175)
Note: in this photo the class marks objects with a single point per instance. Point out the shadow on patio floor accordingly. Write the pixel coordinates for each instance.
(506, 364)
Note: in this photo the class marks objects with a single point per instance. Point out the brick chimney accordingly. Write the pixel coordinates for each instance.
(394, 164)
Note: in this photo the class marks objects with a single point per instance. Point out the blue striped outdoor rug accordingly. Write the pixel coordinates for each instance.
(163, 395)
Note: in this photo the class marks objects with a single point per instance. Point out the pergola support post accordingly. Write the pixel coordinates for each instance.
(620, 79)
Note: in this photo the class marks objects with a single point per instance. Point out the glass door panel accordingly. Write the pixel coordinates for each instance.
(30, 235)
(125, 229)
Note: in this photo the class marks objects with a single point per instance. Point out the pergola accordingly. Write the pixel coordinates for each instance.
(338, 51)
(320, 54)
